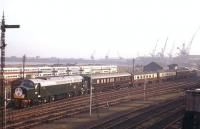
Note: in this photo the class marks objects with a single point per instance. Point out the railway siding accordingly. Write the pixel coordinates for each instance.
(29, 117)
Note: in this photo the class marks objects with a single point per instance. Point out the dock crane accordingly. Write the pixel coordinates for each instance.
(107, 54)
(182, 51)
(191, 41)
(92, 55)
(171, 50)
(119, 57)
(185, 50)
(153, 54)
(162, 53)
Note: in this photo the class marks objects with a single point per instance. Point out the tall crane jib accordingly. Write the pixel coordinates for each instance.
(153, 54)
(162, 53)
(185, 50)
(92, 55)
(191, 41)
(163, 50)
(2, 82)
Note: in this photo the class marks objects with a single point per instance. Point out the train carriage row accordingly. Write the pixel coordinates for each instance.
(30, 91)
(13, 73)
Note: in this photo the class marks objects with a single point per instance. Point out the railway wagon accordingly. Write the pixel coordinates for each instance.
(102, 82)
(33, 91)
(182, 74)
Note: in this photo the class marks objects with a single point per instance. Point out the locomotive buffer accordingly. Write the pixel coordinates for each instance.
(2, 81)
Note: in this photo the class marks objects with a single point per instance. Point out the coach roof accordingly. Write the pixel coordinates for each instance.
(57, 80)
(96, 76)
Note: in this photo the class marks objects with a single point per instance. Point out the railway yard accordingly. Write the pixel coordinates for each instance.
(66, 91)
(158, 105)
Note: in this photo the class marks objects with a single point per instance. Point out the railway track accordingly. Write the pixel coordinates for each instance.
(132, 120)
(29, 117)
(112, 95)
(175, 124)
(168, 118)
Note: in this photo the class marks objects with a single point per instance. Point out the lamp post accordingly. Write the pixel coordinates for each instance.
(91, 94)
(145, 89)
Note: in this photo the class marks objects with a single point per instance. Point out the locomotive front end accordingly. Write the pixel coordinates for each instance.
(19, 94)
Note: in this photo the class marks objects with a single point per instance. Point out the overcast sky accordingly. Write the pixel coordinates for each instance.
(76, 28)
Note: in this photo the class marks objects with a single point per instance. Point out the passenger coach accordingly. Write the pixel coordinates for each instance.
(140, 78)
(102, 82)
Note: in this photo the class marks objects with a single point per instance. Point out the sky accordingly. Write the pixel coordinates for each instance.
(78, 28)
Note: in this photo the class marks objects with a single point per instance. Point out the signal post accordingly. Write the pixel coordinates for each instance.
(2, 81)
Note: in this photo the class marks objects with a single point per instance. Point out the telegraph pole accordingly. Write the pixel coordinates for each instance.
(91, 95)
(2, 81)
(133, 66)
(145, 82)
(133, 70)
(23, 66)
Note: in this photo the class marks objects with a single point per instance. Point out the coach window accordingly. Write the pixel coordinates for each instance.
(111, 79)
(98, 81)
(104, 80)
(125, 78)
(101, 80)
(108, 80)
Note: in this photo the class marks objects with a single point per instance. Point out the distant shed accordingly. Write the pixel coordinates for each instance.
(173, 67)
(153, 66)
